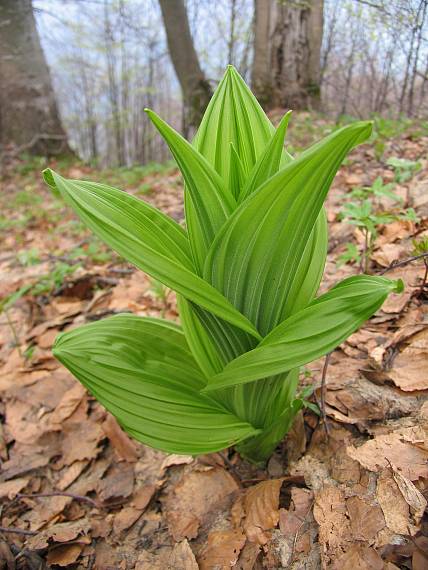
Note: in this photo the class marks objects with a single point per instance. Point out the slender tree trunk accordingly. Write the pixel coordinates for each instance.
(196, 89)
(422, 7)
(262, 80)
(29, 117)
(287, 53)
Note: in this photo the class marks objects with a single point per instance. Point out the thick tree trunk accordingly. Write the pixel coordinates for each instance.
(29, 116)
(287, 53)
(196, 89)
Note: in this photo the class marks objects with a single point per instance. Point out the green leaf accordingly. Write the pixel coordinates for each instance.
(147, 238)
(310, 333)
(269, 161)
(211, 203)
(141, 370)
(255, 257)
(233, 116)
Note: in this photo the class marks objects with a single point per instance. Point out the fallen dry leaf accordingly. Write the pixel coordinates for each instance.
(394, 506)
(412, 496)
(222, 549)
(118, 483)
(405, 449)
(193, 497)
(409, 370)
(62, 532)
(9, 489)
(359, 556)
(123, 445)
(261, 510)
(182, 557)
(365, 517)
(64, 555)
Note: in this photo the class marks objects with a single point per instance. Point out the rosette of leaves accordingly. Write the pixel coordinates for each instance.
(246, 269)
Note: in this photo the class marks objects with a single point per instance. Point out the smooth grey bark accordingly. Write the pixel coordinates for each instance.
(29, 118)
(287, 53)
(195, 88)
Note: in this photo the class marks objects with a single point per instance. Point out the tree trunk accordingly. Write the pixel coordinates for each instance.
(287, 53)
(29, 116)
(196, 89)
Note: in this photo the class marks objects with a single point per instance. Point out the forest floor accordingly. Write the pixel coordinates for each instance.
(347, 491)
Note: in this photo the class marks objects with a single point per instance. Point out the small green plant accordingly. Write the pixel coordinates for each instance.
(246, 270)
(403, 169)
(48, 283)
(420, 249)
(364, 212)
(376, 191)
(29, 257)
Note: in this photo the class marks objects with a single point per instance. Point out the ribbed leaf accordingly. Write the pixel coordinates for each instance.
(146, 237)
(255, 257)
(269, 161)
(310, 333)
(199, 340)
(142, 371)
(233, 116)
(211, 202)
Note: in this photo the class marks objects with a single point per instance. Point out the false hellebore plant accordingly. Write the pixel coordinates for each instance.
(246, 270)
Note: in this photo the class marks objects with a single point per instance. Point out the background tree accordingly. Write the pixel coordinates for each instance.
(287, 53)
(29, 116)
(196, 89)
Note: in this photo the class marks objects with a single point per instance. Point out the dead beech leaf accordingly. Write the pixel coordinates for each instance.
(195, 495)
(173, 459)
(65, 554)
(261, 508)
(404, 448)
(71, 473)
(143, 496)
(81, 441)
(61, 532)
(359, 556)
(221, 550)
(123, 445)
(409, 370)
(248, 556)
(366, 518)
(9, 489)
(412, 495)
(331, 516)
(388, 253)
(291, 520)
(67, 405)
(125, 518)
(118, 484)
(182, 557)
(394, 506)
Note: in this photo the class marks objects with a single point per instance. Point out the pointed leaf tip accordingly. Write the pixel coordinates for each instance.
(398, 286)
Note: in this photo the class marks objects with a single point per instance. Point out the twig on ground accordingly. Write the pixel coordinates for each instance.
(395, 264)
(81, 498)
(13, 530)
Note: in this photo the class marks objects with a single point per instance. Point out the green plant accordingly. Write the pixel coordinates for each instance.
(404, 169)
(246, 270)
(420, 249)
(377, 190)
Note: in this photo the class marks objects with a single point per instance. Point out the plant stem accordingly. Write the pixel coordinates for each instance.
(424, 280)
(14, 333)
